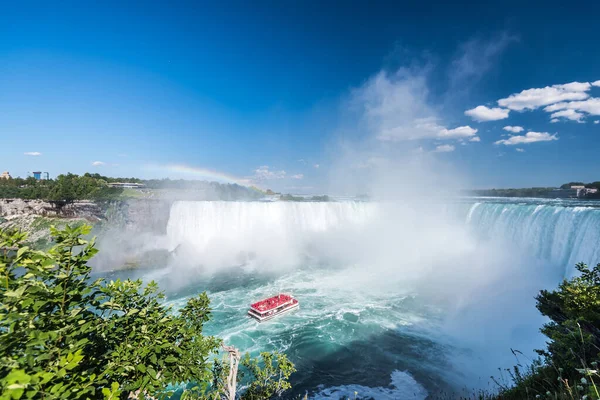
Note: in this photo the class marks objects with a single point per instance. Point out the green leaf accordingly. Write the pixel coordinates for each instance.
(15, 293)
(17, 376)
(151, 372)
(22, 251)
(16, 386)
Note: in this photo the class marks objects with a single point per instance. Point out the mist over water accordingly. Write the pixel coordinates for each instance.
(396, 296)
(408, 294)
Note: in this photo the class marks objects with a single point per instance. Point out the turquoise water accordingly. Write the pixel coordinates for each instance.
(396, 300)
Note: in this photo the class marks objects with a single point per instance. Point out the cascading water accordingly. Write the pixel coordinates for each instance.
(393, 301)
(552, 232)
(274, 230)
(199, 222)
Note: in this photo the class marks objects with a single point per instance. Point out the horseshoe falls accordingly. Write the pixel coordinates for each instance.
(558, 232)
(398, 300)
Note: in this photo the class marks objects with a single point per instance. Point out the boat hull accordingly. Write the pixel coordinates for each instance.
(261, 318)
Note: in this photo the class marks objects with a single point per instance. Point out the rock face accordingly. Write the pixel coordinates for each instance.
(125, 222)
(139, 215)
(89, 210)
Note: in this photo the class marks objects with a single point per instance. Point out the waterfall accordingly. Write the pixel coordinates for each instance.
(559, 234)
(276, 229)
(553, 233)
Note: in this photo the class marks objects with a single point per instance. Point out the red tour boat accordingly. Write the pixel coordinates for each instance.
(272, 307)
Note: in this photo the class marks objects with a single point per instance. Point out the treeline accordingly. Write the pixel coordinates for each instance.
(523, 192)
(203, 190)
(289, 197)
(593, 185)
(67, 187)
(88, 186)
(544, 192)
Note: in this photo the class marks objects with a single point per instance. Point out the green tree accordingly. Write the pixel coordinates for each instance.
(574, 327)
(65, 336)
(569, 365)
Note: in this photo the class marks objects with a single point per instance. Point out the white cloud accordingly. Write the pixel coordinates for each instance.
(483, 113)
(597, 83)
(513, 129)
(394, 107)
(32, 153)
(520, 150)
(98, 163)
(445, 148)
(529, 137)
(597, 122)
(574, 86)
(297, 176)
(590, 106)
(531, 99)
(569, 114)
(460, 132)
(316, 166)
(263, 173)
(302, 161)
(554, 120)
(475, 139)
(555, 107)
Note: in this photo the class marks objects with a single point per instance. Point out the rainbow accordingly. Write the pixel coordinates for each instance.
(212, 175)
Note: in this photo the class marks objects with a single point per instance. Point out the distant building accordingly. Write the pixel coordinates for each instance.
(127, 185)
(582, 191)
(37, 175)
(5, 175)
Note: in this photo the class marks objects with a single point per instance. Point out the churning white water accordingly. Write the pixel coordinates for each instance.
(396, 300)
(220, 231)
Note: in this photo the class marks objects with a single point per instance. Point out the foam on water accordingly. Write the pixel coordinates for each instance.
(360, 321)
(403, 386)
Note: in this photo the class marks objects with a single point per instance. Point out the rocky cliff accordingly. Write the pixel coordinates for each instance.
(122, 218)
(139, 215)
(11, 208)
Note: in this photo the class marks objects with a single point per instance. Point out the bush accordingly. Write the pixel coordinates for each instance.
(65, 336)
(568, 367)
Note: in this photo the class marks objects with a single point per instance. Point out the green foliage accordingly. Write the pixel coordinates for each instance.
(574, 311)
(522, 192)
(569, 365)
(65, 188)
(289, 197)
(269, 376)
(568, 185)
(65, 336)
(70, 187)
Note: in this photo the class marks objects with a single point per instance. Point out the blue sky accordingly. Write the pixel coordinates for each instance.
(263, 91)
